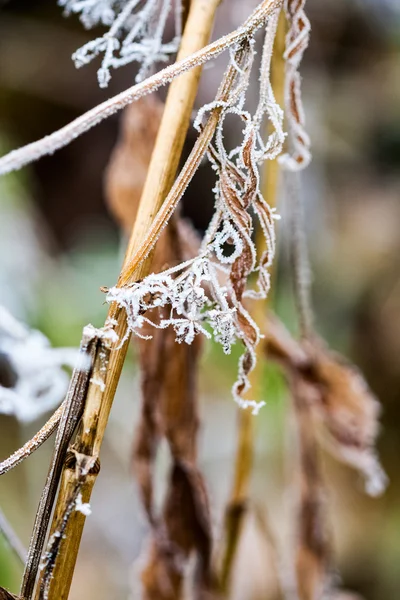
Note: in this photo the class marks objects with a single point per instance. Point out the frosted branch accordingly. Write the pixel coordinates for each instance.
(48, 145)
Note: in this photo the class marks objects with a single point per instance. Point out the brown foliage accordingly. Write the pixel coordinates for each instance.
(329, 392)
(169, 398)
(338, 396)
(127, 169)
(170, 409)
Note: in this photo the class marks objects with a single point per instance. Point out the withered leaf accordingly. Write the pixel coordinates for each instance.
(339, 397)
(127, 169)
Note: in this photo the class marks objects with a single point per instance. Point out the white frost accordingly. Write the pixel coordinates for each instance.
(82, 507)
(39, 382)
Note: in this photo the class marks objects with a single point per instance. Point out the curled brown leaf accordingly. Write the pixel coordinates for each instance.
(169, 398)
(339, 397)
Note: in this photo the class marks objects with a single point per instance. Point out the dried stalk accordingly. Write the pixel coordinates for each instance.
(18, 158)
(237, 505)
(104, 382)
(72, 411)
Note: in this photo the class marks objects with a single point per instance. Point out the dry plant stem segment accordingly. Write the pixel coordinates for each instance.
(33, 444)
(99, 398)
(237, 506)
(11, 538)
(72, 411)
(18, 158)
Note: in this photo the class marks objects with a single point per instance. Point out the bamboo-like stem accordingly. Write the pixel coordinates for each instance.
(107, 369)
(17, 159)
(237, 505)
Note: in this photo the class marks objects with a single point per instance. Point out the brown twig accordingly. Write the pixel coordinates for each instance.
(34, 443)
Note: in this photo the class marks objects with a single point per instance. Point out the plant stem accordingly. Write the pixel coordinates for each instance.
(107, 368)
(48, 145)
(237, 506)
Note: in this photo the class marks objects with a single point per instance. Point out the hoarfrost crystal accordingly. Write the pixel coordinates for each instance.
(136, 33)
(36, 383)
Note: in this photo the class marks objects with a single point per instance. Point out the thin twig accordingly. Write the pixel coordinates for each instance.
(12, 538)
(34, 443)
(17, 159)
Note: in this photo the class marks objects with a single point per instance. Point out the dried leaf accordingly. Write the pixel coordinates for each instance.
(340, 399)
(170, 409)
(169, 405)
(127, 169)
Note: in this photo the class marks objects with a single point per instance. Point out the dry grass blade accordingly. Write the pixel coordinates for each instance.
(33, 444)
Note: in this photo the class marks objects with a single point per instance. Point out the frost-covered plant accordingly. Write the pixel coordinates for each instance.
(136, 32)
(297, 39)
(210, 288)
(37, 382)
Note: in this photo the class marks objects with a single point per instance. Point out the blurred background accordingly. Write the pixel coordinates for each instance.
(59, 244)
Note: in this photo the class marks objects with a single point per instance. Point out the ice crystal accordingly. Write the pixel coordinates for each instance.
(82, 507)
(38, 382)
(136, 33)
